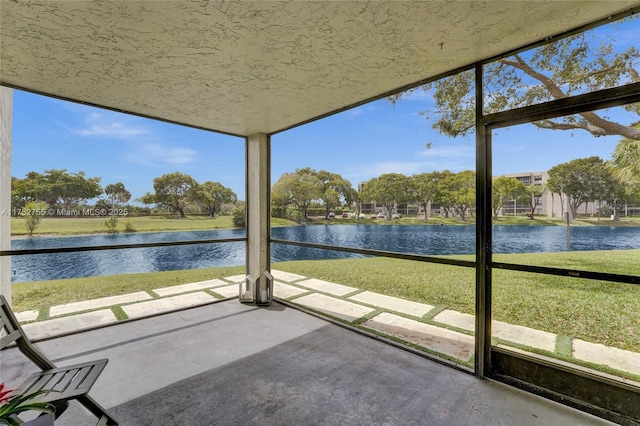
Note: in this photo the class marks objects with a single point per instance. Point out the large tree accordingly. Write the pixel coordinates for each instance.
(425, 187)
(57, 187)
(532, 195)
(580, 181)
(211, 196)
(147, 199)
(580, 63)
(387, 190)
(459, 191)
(626, 161)
(336, 190)
(174, 190)
(117, 194)
(505, 189)
(297, 189)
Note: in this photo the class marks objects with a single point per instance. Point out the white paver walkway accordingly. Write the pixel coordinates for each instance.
(167, 304)
(26, 316)
(54, 327)
(334, 307)
(98, 303)
(327, 287)
(451, 343)
(285, 291)
(286, 276)
(601, 354)
(227, 290)
(236, 278)
(456, 319)
(303, 291)
(509, 332)
(183, 288)
(393, 303)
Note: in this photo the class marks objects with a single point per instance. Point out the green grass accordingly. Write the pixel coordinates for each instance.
(94, 225)
(41, 294)
(595, 311)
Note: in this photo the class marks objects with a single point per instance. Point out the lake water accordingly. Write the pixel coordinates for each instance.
(430, 240)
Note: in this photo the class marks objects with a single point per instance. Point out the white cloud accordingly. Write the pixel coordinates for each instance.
(450, 151)
(417, 94)
(354, 112)
(110, 125)
(454, 158)
(155, 154)
(406, 168)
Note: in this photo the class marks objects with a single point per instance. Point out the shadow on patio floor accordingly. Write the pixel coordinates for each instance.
(228, 364)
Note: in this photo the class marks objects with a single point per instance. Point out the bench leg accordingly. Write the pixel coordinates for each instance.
(98, 411)
(60, 408)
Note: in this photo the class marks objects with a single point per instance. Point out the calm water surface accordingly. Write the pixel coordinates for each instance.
(431, 240)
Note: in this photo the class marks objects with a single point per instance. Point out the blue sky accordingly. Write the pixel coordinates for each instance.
(359, 144)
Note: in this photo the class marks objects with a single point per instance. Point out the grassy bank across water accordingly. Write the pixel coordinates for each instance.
(61, 226)
(595, 311)
(56, 226)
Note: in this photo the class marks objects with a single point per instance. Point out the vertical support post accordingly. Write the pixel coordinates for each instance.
(483, 233)
(6, 112)
(258, 288)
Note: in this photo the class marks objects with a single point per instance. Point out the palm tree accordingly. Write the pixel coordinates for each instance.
(626, 159)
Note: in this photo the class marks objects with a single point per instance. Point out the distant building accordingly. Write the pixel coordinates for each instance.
(550, 204)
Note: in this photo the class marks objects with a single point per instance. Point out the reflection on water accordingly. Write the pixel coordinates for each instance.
(430, 240)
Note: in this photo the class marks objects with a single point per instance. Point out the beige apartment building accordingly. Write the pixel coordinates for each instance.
(550, 204)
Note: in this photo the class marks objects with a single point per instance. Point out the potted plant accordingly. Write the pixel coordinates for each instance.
(12, 404)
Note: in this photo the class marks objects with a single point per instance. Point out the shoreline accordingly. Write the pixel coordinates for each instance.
(316, 222)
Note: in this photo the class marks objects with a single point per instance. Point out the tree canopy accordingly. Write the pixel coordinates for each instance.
(387, 190)
(580, 63)
(211, 196)
(117, 194)
(459, 191)
(336, 190)
(297, 189)
(532, 195)
(174, 190)
(56, 187)
(506, 189)
(580, 181)
(626, 160)
(425, 188)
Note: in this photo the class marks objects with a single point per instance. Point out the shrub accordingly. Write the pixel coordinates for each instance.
(238, 217)
(34, 211)
(294, 215)
(128, 227)
(112, 225)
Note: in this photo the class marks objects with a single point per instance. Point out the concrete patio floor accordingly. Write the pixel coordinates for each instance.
(446, 333)
(232, 364)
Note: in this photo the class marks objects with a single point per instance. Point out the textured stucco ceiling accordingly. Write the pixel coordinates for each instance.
(248, 67)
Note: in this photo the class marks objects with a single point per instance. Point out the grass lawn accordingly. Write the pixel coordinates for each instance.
(43, 294)
(595, 311)
(93, 225)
